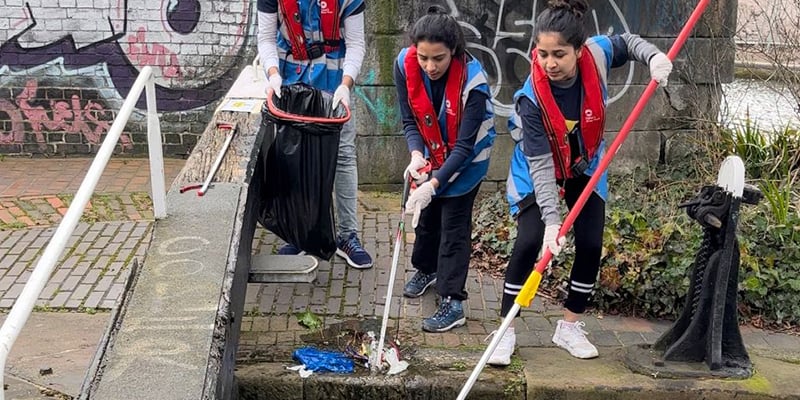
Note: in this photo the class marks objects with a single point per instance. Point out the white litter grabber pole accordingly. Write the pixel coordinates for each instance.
(376, 358)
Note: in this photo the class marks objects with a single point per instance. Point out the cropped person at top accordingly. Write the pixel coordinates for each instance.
(321, 43)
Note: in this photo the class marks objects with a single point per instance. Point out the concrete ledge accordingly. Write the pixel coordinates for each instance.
(167, 331)
(434, 374)
(178, 334)
(550, 373)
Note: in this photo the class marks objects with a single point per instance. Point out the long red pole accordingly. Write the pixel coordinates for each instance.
(528, 291)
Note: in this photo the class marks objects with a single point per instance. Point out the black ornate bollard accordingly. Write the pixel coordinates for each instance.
(708, 330)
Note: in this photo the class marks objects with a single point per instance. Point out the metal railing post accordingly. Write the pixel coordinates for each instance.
(155, 153)
(23, 307)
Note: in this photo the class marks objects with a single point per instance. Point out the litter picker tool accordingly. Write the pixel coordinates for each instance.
(376, 357)
(231, 128)
(528, 291)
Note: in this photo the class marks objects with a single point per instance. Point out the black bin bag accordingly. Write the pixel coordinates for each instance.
(300, 166)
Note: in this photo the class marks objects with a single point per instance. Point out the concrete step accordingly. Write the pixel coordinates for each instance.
(268, 268)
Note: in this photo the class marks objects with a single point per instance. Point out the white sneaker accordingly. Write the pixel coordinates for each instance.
(502, 353)
(572, 338)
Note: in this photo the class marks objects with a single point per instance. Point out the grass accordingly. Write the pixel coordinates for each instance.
(13, 225)
(516, 364)
(459, 366)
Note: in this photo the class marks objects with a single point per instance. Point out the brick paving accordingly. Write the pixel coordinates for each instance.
(116, 229)
(271, 331)
(90, 274)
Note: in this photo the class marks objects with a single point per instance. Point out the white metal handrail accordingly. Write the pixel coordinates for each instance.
(44, 268)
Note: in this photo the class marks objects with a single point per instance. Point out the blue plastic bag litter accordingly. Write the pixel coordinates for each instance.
(320, 360)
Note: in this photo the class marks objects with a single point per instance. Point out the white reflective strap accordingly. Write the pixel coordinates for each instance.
(581, 287)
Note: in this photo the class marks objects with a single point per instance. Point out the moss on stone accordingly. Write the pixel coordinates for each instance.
(757, 383)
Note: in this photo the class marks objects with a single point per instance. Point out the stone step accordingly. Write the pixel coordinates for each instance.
(267, 268)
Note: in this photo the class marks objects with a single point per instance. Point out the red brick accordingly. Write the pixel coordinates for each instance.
(55, 202)
(6, 217)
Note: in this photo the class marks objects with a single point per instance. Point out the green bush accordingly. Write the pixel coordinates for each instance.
(650, 244)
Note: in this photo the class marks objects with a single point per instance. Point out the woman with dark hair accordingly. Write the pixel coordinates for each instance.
(558, 127)
(448, 121)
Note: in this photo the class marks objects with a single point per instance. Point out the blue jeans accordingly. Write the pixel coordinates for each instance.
(345, 187)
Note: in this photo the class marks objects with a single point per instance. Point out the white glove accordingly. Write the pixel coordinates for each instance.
(417, 162)
(660, 67)
(342, 94)
(551, 239)
(419, 199)
(274, 82)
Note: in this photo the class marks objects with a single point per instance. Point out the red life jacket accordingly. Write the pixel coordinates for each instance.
(592, 119)
(329, 21)
(422, 106)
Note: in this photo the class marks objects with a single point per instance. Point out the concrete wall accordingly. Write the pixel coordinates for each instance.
(67, 65)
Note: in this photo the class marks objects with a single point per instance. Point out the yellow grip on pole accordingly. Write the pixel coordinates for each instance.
(526, 295)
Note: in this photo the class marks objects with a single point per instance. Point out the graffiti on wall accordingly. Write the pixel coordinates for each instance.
(194, 47)
(499, 35)
(50, 109)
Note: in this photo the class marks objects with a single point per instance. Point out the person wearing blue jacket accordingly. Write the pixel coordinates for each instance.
(448, 122)
(558, 126)
(321, 43)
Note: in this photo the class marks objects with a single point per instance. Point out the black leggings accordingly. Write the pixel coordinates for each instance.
(588, 234)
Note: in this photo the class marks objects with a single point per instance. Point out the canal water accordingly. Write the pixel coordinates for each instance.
(770, 106)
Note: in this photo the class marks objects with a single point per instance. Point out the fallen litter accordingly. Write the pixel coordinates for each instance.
(392, 357)
(322, 360)
(362, 351)
(304, 373)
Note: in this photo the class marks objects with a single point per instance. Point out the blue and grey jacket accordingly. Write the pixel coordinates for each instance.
(531, 168)
(462, 178)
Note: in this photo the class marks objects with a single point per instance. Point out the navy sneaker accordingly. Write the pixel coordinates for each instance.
(418, 284)
(449, 315)
(290, 250)
(351, 250)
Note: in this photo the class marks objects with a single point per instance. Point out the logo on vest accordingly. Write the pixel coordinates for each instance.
(448, 109)
(323, 5)
(589, 116)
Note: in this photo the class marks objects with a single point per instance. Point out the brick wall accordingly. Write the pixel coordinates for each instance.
(66, 66)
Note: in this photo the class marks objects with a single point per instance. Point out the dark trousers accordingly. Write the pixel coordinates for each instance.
(588, 234)
(443, 243)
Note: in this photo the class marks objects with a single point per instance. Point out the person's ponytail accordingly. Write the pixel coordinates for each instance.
(437, 26)
(565, 17)
(576, 7)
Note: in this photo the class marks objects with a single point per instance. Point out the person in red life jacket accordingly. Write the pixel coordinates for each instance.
(321, 43)
(558, 126)
(448, 121)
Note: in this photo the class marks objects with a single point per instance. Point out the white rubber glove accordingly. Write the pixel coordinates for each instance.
(551, 239)
(342, 94)
(417, 162)
(274, 82)
(660, 68)
(419, 199)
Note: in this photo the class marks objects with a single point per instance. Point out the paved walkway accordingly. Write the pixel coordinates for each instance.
(116, 229)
